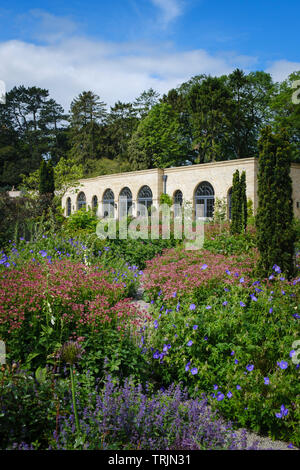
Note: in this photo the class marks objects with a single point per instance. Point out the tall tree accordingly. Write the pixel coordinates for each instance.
(87, 115)
(46, 178)
(143, 103)
(159, 140)
(274, 219)
(236, 205)
(122, 121)
(210, 105)
(243, 193)
(26, 124)
(287, 111)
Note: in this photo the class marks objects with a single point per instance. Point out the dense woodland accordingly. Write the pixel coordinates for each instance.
(204, 119)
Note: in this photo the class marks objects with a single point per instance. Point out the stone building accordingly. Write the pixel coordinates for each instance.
(201, 184)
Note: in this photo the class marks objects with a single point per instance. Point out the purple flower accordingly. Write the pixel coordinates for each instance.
(232, 353)
(266, 380)
(271, 277)
(174, 294)
(276, 268)
(242, 304)
(292, 353)
(204, 266)
(271, 310)
(156, 355)
(195, 327)
(283, 412)
(238, 387)
(43, 253)
(190, 342)
(229, 394)
(177, 307)
(194, 370)
(236, 361)
(208, 307)
(227, 272)
(253, 297)
(192, 307)
(187, 366)
(250, 367)
(283, 364)
(205, 338)
(216, 387)
(225, 303)
(220, 396)
(242, 280)
(155, 324)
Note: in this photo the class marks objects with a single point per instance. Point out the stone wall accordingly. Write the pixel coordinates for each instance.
(186, 179)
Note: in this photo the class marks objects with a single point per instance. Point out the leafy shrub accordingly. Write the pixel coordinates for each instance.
(27, 409)
(82, 219)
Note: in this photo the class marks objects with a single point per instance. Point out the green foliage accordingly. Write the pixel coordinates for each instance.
(287, 113)
(46, 178)
(244, 213)
(27, 408)
(166, 199)
(82, 219)
(87, 114)
(227, 244)
(236, 205)
(274, 219)
(159, 140)
(239, 213)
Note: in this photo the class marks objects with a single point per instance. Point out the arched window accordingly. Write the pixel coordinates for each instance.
(81, 201)
(229, 197)
(69, 208)
(94, 202)
(144, 200)
(108, 203)
(125, 202)
(204, 200)
(177, 202)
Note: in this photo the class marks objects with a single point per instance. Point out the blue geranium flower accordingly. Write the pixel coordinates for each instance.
(283, 364)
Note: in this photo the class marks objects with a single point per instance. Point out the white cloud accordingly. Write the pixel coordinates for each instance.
(170, 10)
(113, 71)
(281, 69)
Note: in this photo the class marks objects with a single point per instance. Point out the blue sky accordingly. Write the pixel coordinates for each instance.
(122, 47)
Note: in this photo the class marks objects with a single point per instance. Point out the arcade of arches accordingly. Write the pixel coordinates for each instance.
(135, 192)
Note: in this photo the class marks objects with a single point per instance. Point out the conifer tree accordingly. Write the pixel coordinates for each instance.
(243, 196)
(43, 183)
(236, 208)
(46, 183)
(274, 219)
